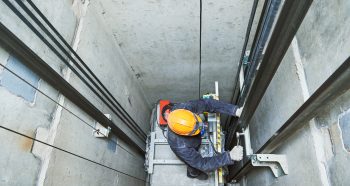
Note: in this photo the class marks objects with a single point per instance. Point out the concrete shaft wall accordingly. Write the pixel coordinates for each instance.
(31, 163)
(318, 153)
(160, 39)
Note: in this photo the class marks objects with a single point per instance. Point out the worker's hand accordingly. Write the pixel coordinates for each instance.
(237, 153)
(239, 112)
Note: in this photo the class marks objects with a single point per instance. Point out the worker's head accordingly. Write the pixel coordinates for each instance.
(184, 122)
(166, 111)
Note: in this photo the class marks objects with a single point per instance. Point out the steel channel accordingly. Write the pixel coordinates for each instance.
(257, 52)
(266, 21)
(288, 22)
(236, 87)
(336, 85)
(16, 47)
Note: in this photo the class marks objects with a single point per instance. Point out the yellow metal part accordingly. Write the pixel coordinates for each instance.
(218, 144)
(217, 141)
(219, 147)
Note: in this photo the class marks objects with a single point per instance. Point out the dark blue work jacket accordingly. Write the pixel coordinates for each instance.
(186, 147)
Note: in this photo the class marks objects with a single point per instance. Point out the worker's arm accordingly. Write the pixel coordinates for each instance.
(208, 105)
(206, 164)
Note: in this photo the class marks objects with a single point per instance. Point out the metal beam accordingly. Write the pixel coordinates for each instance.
(17, 48)
(289, 20)
(336, 85)
(287, 24)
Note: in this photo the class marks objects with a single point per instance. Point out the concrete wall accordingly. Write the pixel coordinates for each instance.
(160, 39)
(31, 163)
(316, 153)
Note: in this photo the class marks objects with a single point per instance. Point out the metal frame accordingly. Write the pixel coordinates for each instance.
(266, 23)
(150, 161)
(286, 26)
(288, 22)
(337, 84)
(16, 47)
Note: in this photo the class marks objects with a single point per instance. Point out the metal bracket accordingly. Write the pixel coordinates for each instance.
(100, 131)
(247, 144)
(277, 163)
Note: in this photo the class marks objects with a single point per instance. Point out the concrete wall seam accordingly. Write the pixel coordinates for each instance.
(315, 133)
(49, 134)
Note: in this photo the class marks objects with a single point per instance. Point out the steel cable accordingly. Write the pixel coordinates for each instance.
(75, 54)
(71, 153)
(65, 61)
(60, 105)
(200, 49)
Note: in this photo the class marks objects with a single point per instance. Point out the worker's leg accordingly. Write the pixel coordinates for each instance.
(205, 164)
(195, 173)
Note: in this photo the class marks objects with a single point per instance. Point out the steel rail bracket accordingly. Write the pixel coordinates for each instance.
(276, 162)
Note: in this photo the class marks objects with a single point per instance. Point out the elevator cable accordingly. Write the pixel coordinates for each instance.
(246, 39)
(240, 64)
(71, 153)
(123, 112)
(200, 49)
(132, 126)
(51, 99)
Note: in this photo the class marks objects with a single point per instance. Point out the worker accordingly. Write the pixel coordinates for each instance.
(184, 135)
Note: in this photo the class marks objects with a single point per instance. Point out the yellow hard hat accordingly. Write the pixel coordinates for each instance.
(184, 122)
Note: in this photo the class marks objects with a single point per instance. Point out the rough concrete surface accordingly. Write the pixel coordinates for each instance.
(146, 50)
(21, 165)
(323, 40)
(71, 133)
(282, 98)
(100, 53)
(160, 40)
(338, 158)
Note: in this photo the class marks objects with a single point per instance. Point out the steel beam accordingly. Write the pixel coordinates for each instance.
(17, 48)
(336, 85)
(287, 24)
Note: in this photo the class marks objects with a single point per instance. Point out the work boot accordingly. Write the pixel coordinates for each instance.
(200, 176)
(194, 173)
